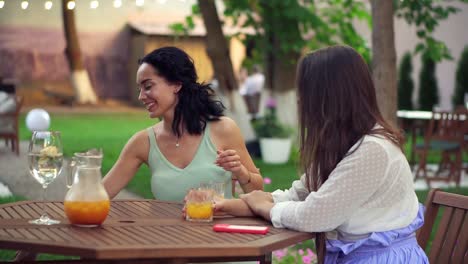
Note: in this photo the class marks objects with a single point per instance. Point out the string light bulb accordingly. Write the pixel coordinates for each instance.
(94, 4)
(117, 3)
(2, 4)
(71, 5)
(139, 2)
(48, 5)
(24, 5)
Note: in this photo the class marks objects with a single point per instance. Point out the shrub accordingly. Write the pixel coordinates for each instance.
(428, 90)
(461, 79)
(405, 83)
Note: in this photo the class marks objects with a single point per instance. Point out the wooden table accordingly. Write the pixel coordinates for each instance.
(139, 230)
(411, 114)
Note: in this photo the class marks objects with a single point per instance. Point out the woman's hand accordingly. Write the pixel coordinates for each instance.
(229, 160)
(259, 202)
(234, 207)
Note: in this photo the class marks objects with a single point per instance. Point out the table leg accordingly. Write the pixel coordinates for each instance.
(413, 144)
(25, 256)
(266, 259)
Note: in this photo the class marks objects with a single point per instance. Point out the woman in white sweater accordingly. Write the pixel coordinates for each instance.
(357, 186)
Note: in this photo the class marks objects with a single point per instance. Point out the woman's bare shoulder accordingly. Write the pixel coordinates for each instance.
(139, 144)
(140, 137)
(224, 126)
(225, 133)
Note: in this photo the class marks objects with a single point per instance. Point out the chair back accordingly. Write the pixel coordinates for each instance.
(19, 103)
(450, 244)
(463, 114)
(446, 126)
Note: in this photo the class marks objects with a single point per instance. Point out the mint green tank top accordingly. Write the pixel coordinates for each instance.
(170, 183)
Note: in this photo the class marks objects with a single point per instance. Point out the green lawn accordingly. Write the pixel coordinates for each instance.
(107, 131)
(111, 132)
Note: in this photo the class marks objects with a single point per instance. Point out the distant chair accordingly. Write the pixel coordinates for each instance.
(9, 115)
(464, 111)
(444, 134)
(450, 244)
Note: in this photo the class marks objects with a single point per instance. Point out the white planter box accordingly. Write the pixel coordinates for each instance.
(275, 150)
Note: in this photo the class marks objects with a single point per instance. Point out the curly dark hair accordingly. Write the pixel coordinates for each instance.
(197, 104)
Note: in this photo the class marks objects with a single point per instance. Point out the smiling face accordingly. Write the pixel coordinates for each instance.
(156, 93)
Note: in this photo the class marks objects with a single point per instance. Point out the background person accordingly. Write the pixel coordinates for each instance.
(252, 90)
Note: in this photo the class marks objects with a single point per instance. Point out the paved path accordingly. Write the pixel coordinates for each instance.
(14, 173)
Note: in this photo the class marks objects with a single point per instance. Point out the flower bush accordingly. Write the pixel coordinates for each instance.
(269, 126)
(292, 255)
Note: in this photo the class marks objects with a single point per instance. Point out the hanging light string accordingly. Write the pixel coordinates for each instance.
(93, 4)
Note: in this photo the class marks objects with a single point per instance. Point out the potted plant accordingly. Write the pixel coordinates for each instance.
(275, 138)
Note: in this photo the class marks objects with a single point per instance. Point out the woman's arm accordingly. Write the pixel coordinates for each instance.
(234, 207)
(297, 192)
(233, 155)
(354, 180)
(133, 154)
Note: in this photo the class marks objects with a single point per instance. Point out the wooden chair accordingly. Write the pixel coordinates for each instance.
(450, 244)
(464, 111)
(445, 134)
(9, 126)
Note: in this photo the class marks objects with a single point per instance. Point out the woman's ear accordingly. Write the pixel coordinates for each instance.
(177, 88)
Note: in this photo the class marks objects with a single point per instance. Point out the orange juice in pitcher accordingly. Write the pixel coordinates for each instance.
(87, 213)
(87, 202)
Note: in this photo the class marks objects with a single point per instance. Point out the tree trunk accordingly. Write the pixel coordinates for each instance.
(217, 48)
(280, 72)
(79, 76)
(384, 58)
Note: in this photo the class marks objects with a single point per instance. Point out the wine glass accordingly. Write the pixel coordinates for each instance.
(45, 159)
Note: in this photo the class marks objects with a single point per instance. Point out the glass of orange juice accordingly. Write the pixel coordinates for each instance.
(218, 188)
(199, 205)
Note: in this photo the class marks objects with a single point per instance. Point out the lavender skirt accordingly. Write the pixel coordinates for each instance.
(395, 246)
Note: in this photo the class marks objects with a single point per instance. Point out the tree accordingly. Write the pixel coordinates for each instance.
(405, 83)
(425, 16)
(217, 47)
(384, 58)
(428, 91)
(284, 28)
(79, 76)
(461, 79)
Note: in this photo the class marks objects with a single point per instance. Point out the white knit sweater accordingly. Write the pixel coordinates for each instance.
(370, 190)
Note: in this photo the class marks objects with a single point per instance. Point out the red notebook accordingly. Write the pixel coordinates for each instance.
(240, 229)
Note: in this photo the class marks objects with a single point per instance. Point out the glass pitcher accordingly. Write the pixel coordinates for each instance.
(86, 202)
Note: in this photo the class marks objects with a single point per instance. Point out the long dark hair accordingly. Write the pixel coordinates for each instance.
(197, 104)
(337, 106)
